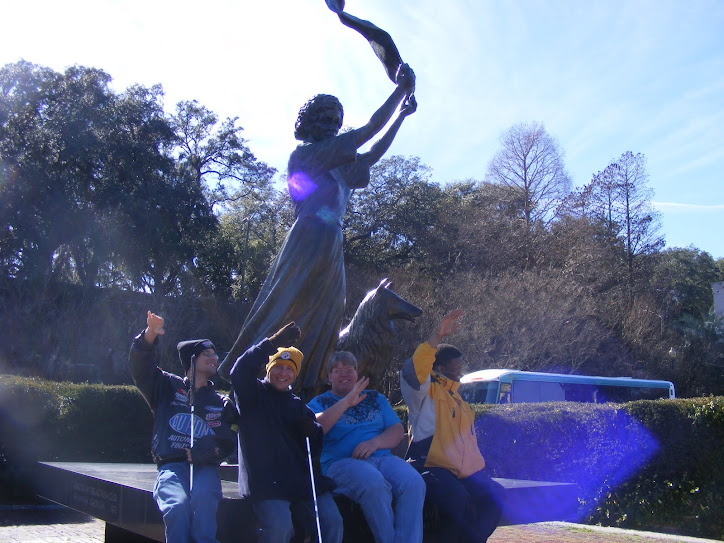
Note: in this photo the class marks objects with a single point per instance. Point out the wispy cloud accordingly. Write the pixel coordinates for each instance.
(676, 207)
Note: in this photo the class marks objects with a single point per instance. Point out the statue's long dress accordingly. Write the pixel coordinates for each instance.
(306, 283)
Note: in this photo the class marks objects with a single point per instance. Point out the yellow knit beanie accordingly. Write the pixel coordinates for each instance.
(288, 356)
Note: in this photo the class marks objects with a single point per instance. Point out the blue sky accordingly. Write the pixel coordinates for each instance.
(604, 77)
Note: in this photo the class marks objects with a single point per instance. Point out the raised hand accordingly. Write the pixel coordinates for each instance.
(450, 322)
(154, 327)
(448, 325)
(355, 396)
(286, 336)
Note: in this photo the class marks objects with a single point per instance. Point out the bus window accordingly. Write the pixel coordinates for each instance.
(619, 394)
(579, 392)
(513, 386)
(536, 391)
(504, 396)
(479, 392)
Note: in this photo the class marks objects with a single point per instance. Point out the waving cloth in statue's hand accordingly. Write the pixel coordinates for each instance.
(381, 42)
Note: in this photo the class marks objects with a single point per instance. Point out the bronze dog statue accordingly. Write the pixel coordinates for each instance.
(371, 334)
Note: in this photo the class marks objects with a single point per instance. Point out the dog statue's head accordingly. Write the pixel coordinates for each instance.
(371, 333)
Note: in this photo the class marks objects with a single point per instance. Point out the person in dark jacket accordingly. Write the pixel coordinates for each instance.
(273, 427)
(189, 510)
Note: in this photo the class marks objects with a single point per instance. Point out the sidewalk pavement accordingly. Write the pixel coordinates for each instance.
(48, 524)
(57, 524)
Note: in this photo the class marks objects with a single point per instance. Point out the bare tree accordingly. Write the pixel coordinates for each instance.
(531, 163)
(622, 200)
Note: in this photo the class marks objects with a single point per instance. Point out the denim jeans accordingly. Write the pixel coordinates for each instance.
(376, 484)
(275, 520)
(188, 516)
(470, 508)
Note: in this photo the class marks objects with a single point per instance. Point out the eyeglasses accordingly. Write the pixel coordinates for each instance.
(346, 370)
(209, 354)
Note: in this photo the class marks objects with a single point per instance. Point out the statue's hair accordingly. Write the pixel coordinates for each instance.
(309, 114)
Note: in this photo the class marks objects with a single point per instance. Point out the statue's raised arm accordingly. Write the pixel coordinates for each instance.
(306, 283)
(379, 40)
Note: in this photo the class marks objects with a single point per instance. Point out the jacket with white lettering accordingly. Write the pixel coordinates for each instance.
(442, 433)
(215, 417)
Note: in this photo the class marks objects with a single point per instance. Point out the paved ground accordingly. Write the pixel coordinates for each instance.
(55, 524)
(48, 524)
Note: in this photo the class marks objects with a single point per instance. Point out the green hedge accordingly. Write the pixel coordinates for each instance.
(47, 420)
(52, 421)
(656, 465)
(652, 465)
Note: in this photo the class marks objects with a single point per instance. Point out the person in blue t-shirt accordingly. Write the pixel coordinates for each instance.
(360, 427)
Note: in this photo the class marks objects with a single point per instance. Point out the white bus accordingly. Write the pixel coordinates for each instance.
(514, 386)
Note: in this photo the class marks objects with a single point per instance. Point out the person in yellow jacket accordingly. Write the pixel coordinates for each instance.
(443, 446)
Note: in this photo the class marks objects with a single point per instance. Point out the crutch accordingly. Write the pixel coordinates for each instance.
(192, 393)
(314, 490)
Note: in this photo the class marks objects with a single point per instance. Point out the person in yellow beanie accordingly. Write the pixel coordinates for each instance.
(283, 367)
(273, 426)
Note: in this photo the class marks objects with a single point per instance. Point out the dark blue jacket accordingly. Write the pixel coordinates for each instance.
(273, 461)
(215, 419)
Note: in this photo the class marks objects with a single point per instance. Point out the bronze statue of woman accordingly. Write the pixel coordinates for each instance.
(306, 283)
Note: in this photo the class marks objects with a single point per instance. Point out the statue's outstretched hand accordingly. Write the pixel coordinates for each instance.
(286, 336)
(408, 106)
(405, 78)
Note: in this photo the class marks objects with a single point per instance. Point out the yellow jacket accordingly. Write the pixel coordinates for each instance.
(440, 421)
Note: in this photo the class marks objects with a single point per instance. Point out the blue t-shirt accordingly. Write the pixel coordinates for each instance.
(368, 419)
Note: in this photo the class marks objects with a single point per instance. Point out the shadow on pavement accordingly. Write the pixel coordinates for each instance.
(33, 515)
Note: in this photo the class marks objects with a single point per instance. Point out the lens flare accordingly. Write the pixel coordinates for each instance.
(597, 451)
(300, 186)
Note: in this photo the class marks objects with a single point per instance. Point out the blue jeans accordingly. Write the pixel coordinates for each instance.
(275, 519)
(470, 508)
(377, 483)
(188, 516)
